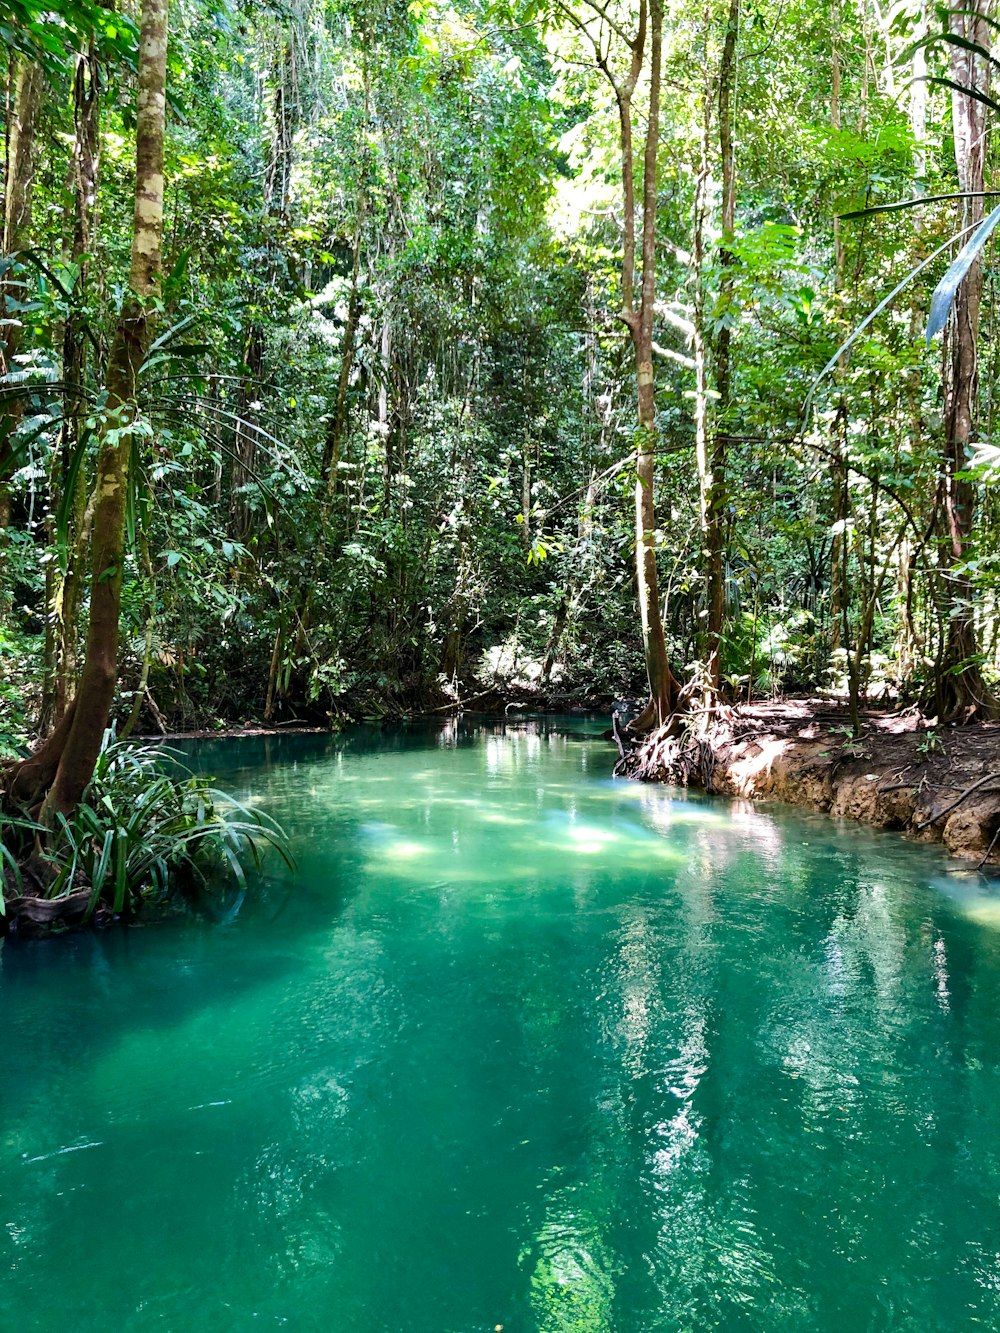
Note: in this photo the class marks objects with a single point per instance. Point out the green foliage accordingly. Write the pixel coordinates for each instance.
(145, 833)
(19, 654)
(394, 236)
(51, 35)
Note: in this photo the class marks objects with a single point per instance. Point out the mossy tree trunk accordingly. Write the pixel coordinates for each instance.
(99, 676)
(28, 84)
(960, 692)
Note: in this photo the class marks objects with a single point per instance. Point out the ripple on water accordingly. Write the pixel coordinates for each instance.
(523, 1047)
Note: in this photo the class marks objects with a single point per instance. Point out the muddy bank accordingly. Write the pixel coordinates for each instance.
(936, 784)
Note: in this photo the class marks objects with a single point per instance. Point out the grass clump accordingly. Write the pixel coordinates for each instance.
(147, 831)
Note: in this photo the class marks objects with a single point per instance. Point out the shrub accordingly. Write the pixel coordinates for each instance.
(148, 830)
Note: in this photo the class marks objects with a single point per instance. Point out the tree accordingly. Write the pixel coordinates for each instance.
(960, 691)
(601, 32)
(63, 766)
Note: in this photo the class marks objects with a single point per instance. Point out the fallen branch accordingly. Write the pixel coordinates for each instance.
(460, 703)
(989, 850)
(69, 910)
(618, 738)
(926, 823)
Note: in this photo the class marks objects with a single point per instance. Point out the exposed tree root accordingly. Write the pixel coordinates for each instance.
(937, 785)
(24, 782)
(31, 917)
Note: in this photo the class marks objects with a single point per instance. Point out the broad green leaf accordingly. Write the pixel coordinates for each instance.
(947, 288)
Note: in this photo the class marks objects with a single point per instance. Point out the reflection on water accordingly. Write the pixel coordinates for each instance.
(519, 1047)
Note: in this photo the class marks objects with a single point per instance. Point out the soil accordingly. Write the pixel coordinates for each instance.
(936, 784)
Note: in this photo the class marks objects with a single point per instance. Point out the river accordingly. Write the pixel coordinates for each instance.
(517, 1048)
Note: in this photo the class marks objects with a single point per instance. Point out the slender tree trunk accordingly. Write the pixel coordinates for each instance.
(330, 470)
(272, 675)
(526, 496)
(918, 105)
(663, 688)
(702, 190)
(838, 471)
(550, 656)
(959, 689)
(245, 442)
(85, 167)
(286, 115)
(715, 534)
(129, 348)
(21, 141)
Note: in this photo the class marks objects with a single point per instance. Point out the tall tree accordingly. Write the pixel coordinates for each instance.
(72, 750)
(22, 134)
(601, 32)
(715, 507)
(960, 690)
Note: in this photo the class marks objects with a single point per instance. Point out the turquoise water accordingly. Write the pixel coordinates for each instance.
(521, 1048)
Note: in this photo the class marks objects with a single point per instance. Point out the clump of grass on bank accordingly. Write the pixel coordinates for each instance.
(148, 832)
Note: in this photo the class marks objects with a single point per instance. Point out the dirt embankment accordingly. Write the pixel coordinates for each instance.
(936, 784)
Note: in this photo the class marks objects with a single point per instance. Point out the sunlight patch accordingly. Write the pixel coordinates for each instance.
(405, 850)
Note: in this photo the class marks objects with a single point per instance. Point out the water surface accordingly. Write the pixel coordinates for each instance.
(519, 1048)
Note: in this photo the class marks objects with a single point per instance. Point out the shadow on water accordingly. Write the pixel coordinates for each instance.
(255, 752)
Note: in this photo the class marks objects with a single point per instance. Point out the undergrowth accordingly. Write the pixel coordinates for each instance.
(147, 831)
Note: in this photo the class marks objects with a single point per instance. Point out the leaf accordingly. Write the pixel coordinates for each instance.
(975, 14)
(172, 282)
(959, 88)
(914, 203)
(166, 338)
(68, 499)
(955, 40)
(945, 291)
(850, 341)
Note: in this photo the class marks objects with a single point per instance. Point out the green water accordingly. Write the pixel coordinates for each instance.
(523, 1048)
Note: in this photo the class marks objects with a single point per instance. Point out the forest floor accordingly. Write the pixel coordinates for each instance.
(937, 784)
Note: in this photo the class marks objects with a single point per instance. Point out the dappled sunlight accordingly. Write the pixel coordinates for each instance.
(974, 897)
(405, 850)
(493, 847)
(499, 817)
(744, 772)
(598, 1045)
(467, 819)
(984, 911)
(590, 835)
(572, 1282)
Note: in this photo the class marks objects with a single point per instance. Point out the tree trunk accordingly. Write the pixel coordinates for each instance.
(840, 497)
(715, 509)
(663, 688)
(245, 442)
(960, 691)
(21, 139)
(551, 655)
(330, 469)
(131, 343)
(85, 166)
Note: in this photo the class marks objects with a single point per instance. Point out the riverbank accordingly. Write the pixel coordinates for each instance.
(493, 701)
(932, 784)
(935, 784)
